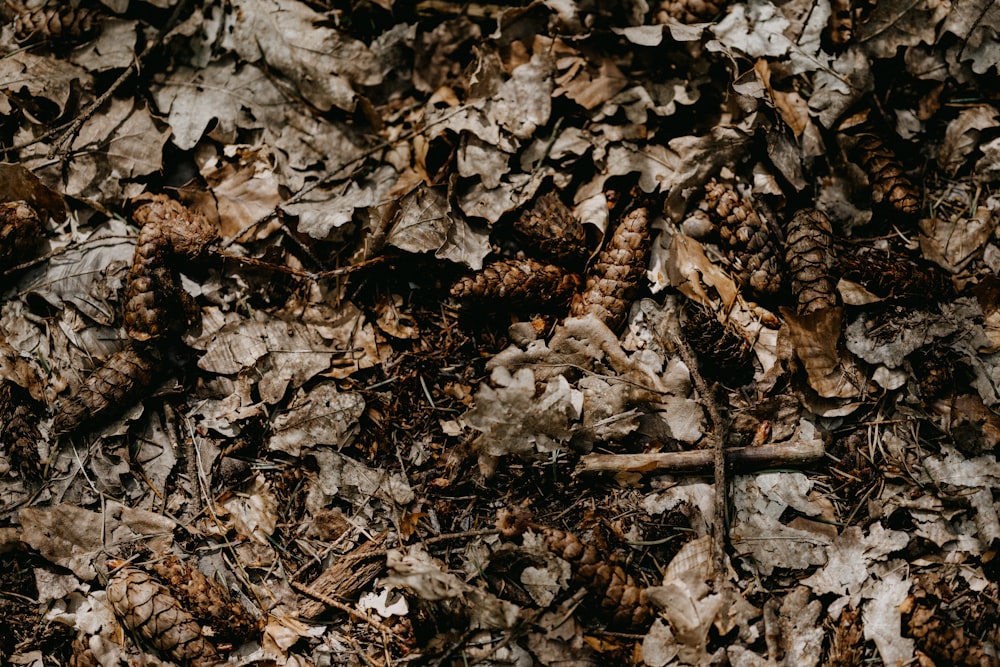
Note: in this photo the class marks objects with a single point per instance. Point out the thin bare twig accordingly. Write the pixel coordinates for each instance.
(86, 114)
(788, 454)
(337, 604)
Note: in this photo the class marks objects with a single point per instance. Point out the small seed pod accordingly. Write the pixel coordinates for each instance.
(20, 231)
(615, 275)
(61, 24)
(188, 232)
(744, 237)
(19, 435)
(518, 280)
(810, 258)
(146, 607)
(550, 228)
(121, 381)
(890, 185)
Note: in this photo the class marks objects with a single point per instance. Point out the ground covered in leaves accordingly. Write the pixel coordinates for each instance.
(385, 333)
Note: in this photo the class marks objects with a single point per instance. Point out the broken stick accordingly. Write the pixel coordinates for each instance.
(740, 458)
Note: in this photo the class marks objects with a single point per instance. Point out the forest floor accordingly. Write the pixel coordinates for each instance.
(439, 333)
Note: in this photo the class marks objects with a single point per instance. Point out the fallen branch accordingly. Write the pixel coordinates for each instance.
(738, 458)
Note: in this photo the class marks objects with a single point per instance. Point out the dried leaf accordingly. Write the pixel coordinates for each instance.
(255, 512)
(323, 63)
(962, 136)
(75, 538)
(831, 372)
(321, 416)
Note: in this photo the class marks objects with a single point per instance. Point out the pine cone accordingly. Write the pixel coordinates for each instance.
(552, 230)
(146, 607)
(723, 354)
(617, 592)
(944, 639)
(890, 185)
(207, 601)
(149, 286)
(689, 11)
(894, 277)
(19, 414)
(744, 238)
(20, 231)
(615, 275)
(810, 258)
(63, 24)
(518, 280)
(188, 233)
(123, 378)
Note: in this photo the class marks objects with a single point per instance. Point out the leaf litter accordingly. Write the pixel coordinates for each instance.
(327, 422)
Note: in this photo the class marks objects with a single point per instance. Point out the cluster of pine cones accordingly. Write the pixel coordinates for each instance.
(155, 308)
(550, 231)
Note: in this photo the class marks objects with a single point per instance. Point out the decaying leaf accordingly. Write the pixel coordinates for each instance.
(20, 231)
(831, 371)
(322, 416)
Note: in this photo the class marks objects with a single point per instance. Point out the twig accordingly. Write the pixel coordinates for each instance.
(717, 438)
(337, 604)
(85, 115)
(765, 456)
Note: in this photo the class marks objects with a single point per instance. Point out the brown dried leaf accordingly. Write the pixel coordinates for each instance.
(323, 63)
(146, 608)
(16, 182)
(321, 416)
(831, 372)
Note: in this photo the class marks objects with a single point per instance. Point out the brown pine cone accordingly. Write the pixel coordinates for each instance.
(744, 237)
(890, 185)
(689, 11)
(615, 275)
(723, 354)
(810, 258)
(893, 277)
(188, 233)
(62, 24)
(207, 601)
(616, 592)
(550, 228)
(520, 280)
(20, 231)
(121, 381)
(149, 286)
(19, 435)
(944, 639)
(145, 607)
